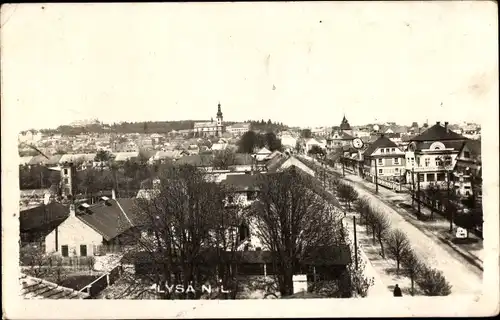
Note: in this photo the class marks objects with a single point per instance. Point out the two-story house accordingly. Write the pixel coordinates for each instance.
(431, 156)
(467, 173)
(384, 159)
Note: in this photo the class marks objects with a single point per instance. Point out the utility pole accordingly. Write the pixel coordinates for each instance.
(376, 176)
(449, 200)
(355, 244)
(343, 166)
(418, 194)
(412, 186)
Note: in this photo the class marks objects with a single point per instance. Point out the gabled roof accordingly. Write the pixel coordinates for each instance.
(474, 146)
(36, 288)
(25, 160)
(242, 182)
(124, 156)
(263, 151)
(438, 133)
(381, 142)
(199, 160)
(242, 159)
(43, 218)
(275, 163)
(110, 220)
(53, 160)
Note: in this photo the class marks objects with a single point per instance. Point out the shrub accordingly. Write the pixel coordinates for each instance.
(433, 283)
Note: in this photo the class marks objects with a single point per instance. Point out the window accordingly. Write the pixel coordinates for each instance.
(251, 195)
(380, 171)
(421, 177)
(382, 150)
(65, 251)
(393, 150)
(466, 154)
(430, 177)
(427, 162)
(65, 181)
(439, 163)
(396, 170)
(65, 171)
(230, 199)
(396, 160)
(380, 162)
(440, 177)
(83, 250)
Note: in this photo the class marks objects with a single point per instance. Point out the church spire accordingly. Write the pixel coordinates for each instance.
(219, 112)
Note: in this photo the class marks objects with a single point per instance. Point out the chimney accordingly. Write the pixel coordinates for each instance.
(113, 194)
(446, 126)
(438, 122)
(72, 211)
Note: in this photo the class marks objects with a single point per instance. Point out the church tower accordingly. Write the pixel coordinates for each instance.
(220, 127)
(67, 179)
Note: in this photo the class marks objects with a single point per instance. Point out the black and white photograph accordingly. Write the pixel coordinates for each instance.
(197, 159)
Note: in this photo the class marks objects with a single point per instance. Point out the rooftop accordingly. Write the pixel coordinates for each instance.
(438, 133)
(381, 142)
(35, 288)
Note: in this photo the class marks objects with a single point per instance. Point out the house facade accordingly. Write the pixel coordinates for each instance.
(94, 229)
(385, 160)
(238, 129)
(468, 170)
(431, 156)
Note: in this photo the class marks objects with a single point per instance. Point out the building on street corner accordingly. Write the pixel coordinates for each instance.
(431, 155)
(384, 159)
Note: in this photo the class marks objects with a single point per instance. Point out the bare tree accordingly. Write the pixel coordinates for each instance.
(187, 225)
(347, 193)
(382, 227)
(433, 283)
(412, 266)
(290, 218)
(434, 194)
(362, 206)
(397, 244)
(222, 160)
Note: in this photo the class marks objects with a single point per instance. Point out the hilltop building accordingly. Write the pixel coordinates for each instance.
(210, 128)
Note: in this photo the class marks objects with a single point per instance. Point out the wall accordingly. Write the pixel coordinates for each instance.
(73, 233)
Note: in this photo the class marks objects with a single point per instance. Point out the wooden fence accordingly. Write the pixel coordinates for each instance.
(104, 281)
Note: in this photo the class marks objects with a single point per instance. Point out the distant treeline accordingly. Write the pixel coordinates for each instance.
(150, 127)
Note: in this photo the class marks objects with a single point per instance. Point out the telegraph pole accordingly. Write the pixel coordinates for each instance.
(355, 244)
(412, 186)
(449, 200)
(376, 176)
(418, 194)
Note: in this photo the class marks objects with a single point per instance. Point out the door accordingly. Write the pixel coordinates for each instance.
(83, 250)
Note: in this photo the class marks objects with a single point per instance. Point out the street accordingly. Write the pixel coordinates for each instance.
(464, 277)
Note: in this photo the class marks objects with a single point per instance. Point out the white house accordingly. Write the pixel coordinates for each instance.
(288, 141)
(310, 143)
(262, 154)
(431, 156)
(107, 223)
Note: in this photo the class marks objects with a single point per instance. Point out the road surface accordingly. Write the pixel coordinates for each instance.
(464, 277)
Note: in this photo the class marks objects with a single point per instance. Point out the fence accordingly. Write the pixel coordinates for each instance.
(104, 249)
(101, 283)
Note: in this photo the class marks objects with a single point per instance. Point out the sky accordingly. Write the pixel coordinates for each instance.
(303, 64)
